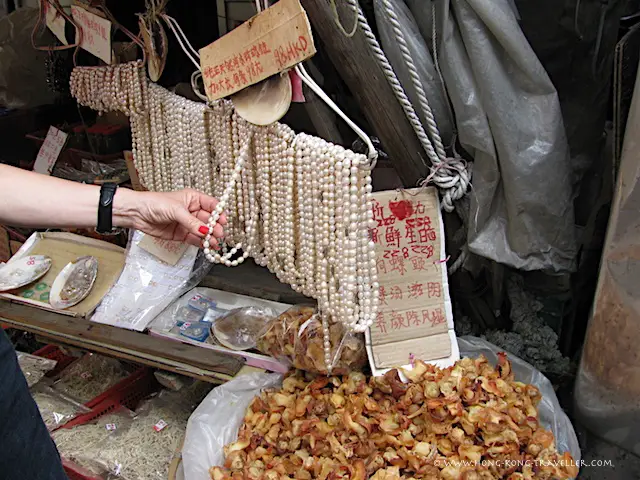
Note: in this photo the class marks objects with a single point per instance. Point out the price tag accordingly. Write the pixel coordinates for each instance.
(50, 151)
(271, 42)
(161, 425)
(185, 325)
(85, 375)
(167, 251)
(55, 22)
(110, 427)
(96, 33)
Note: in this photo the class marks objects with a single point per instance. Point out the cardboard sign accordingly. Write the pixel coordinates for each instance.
(167, 251)
(136, 183)
(271, 42)
(5, 245)
(55, 22)
(50, 151)
(415, 309)
(96, 33)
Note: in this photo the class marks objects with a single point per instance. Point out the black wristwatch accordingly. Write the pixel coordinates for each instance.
(105, 208)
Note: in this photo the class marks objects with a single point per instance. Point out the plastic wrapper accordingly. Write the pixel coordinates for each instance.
(90, 376)
(240, 328)
(216, 422)
(34, 368)
(296, 337)
(84, 445)
(510, 123)
(148, 285)
(55, 408)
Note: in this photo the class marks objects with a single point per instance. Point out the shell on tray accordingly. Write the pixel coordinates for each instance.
(74, 282)
(23, 271)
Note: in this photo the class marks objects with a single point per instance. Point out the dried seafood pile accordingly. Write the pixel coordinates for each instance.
(467, 422)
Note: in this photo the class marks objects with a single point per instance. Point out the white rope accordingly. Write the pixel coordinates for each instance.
(448, 174)
(169, 21)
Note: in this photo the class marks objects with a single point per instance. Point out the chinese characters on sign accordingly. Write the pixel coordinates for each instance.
(96, 33)
(413, 288)
(272, 41)
(50, 151)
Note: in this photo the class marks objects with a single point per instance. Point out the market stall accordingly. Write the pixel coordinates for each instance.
(312, 332)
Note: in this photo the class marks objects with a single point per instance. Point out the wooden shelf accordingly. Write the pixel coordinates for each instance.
(138, 347)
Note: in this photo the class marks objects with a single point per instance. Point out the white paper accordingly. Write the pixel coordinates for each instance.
(50, 151)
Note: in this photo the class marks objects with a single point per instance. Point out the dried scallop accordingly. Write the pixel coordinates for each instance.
(74, 282)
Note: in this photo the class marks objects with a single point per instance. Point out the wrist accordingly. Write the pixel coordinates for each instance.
(126, 208)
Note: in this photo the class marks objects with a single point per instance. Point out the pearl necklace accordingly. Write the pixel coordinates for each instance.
(300, 206)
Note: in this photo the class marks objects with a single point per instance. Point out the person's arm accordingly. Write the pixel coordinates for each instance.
(30, 199)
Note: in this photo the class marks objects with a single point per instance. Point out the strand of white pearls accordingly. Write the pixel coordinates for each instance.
(299, 205)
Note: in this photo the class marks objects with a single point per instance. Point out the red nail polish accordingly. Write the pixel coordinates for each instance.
(203, 230)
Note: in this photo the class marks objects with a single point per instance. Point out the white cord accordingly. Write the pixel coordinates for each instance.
(450, 175)
(168, 21)
(306, 78)
(194, 85)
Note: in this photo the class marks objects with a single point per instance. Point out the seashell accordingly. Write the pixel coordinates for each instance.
(74, 282)
(23, 271)
(266, 102)
(156, 46)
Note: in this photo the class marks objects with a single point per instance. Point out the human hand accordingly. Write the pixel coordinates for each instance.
(179, 216)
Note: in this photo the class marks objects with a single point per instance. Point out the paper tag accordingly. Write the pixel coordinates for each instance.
(414, 296)
(161, 425)
(96, 33)
(136, 183)
(110, 427)
(55, 22)
(50, 151)
(86, 375)
(273, 41)
(5, 245)
(166, 250)
(185, 325)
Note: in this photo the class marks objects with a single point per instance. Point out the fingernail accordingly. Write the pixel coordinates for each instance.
(203, 230)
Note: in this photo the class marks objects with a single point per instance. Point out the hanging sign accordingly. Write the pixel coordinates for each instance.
(50, 151)
(96, 33)
(414, 319)
(55, 22)
(273, 41)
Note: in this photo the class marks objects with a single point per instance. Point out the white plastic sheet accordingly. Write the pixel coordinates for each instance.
(216, 422)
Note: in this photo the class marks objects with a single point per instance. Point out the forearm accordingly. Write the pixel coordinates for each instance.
(33, 200)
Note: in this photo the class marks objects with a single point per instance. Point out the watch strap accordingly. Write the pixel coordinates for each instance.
(105, 208)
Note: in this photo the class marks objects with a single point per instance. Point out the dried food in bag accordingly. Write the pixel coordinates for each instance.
(297, 338)
(90, 376)
(55, 409)
(34, 368)
(240, 329)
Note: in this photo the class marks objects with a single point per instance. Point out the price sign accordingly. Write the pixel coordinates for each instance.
(55, 22)
(50, 151)
(273, 41)
(96, 33)
(415, 309)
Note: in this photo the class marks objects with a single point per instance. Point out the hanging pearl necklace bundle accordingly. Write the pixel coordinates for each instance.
(297, 204)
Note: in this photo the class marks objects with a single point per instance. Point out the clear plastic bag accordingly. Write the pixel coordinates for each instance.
(240, 328)
(55, 408)
(148, 285)
(90, 376)
(84, 445)
(296, 337)
(34, 368)
(216, 422)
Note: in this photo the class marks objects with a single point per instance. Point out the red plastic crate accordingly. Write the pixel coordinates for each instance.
(54, 353)
(124, 384)
(76, 472)
(138, 387)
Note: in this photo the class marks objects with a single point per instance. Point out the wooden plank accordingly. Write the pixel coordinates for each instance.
(359, 69)
(156, 352)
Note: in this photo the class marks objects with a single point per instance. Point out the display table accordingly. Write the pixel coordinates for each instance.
(133, 346)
